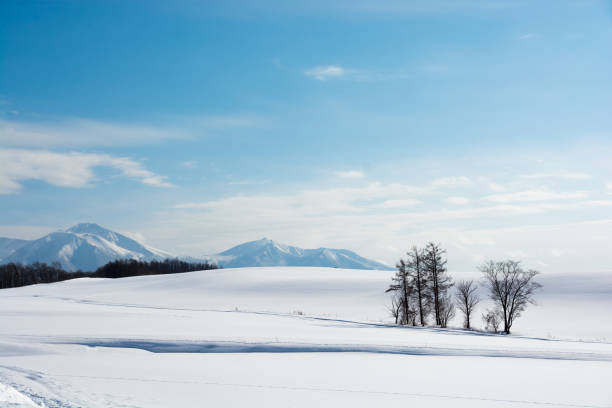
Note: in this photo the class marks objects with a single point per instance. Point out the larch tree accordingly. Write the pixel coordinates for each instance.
(403, 290)
(415, 264)
(437, 275)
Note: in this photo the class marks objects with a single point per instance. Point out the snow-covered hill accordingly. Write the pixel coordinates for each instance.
(288, 336)
(84, 246)
(266, 252)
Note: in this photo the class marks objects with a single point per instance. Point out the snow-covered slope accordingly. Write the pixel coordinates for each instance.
(287, 336)
(10, 245)
(266, 252)
(85, 247)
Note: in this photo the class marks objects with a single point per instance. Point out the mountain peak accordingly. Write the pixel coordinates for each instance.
(87, 228)
(85, 246)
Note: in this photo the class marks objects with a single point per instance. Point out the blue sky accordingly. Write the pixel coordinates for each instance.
(367, 125)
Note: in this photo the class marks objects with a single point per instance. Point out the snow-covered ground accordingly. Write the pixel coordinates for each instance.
(291, 337)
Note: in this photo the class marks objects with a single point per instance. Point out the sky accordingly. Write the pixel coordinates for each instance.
(194, 126)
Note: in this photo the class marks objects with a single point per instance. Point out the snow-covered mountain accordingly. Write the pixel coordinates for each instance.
(84, 246)
(88, 246)
(10, 245)
(266, 252)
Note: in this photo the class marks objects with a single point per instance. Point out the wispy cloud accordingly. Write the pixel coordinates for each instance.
(350, 174)
(323, 73)
(498, 188)
(454, 181)
(248, 182)
(534, 195)
(566, 175)
(458, 200)
(81, 132)
(66, 169)
(328, 72)
(598, 203)
(400, 203)
(350, 217)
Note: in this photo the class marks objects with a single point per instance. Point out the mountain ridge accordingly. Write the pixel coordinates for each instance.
(10, 245)
(87, 246)
(266, 252)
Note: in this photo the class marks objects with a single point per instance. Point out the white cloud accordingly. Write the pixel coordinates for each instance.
(323, 73)
(457, 200)
(78, 132)
(599, 203)
(71, 169)
(400, 203)
(561, 175)
(372, 220)
(454, 181)
(331, 214)
(527, 36)
(534, 195)
(497, 187)
(609, 188)
(248, 182)
(350, 174)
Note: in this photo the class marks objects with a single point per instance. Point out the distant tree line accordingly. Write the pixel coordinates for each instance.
(123, 268)
(14, 275)
(421, 291)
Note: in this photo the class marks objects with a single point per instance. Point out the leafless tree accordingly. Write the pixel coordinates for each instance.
(403, 292)
(447, 310)
(510, 287)
(415, 265)
(491, 320)
(439, 280)
(394, 308)
(467, 299)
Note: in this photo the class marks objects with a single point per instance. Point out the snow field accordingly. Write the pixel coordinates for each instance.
(235, 337)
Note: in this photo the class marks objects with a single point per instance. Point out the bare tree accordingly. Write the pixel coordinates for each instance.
(403, 288)
(491, 320)
(394, 308)
(510, 287)
(467, 299)
(439, 280)
(415, 264)
(447, 310)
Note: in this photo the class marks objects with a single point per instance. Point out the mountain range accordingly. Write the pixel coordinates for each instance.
(266, 252)
(88, 246)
